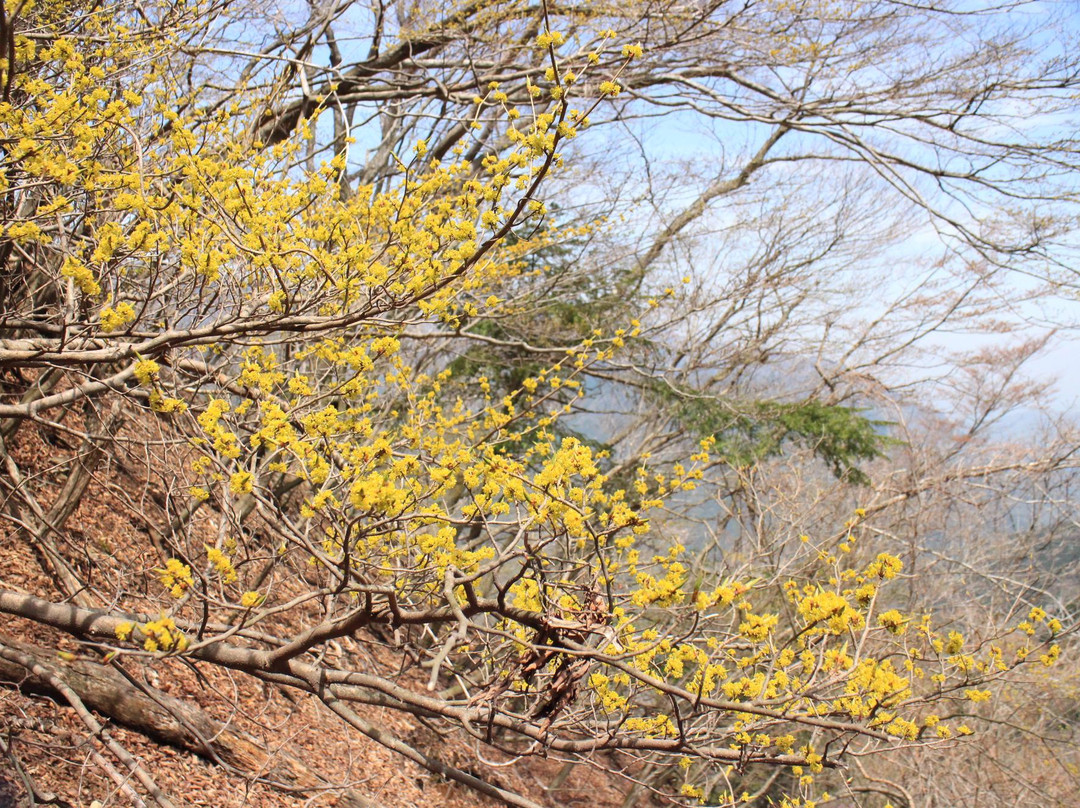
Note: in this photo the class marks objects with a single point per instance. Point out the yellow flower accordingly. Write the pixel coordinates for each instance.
(549, 39)
(1051, 656)
(163, 635)
(885, 567)
(222, 564)
(164, 404)
(146, 371)
(894, 621)
(176, 577)
(693, 792)
(115, 318)
(242, 482)
(80, 274)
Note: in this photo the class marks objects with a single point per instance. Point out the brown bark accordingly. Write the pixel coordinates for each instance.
(169, 720)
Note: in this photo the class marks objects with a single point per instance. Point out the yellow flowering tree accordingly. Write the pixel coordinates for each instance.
(221, 286)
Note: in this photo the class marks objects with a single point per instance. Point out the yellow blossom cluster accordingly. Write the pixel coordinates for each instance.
(157, 635)
(176, 577)
(222, 564)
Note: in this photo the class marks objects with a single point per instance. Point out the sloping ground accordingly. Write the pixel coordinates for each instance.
(248, 744)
